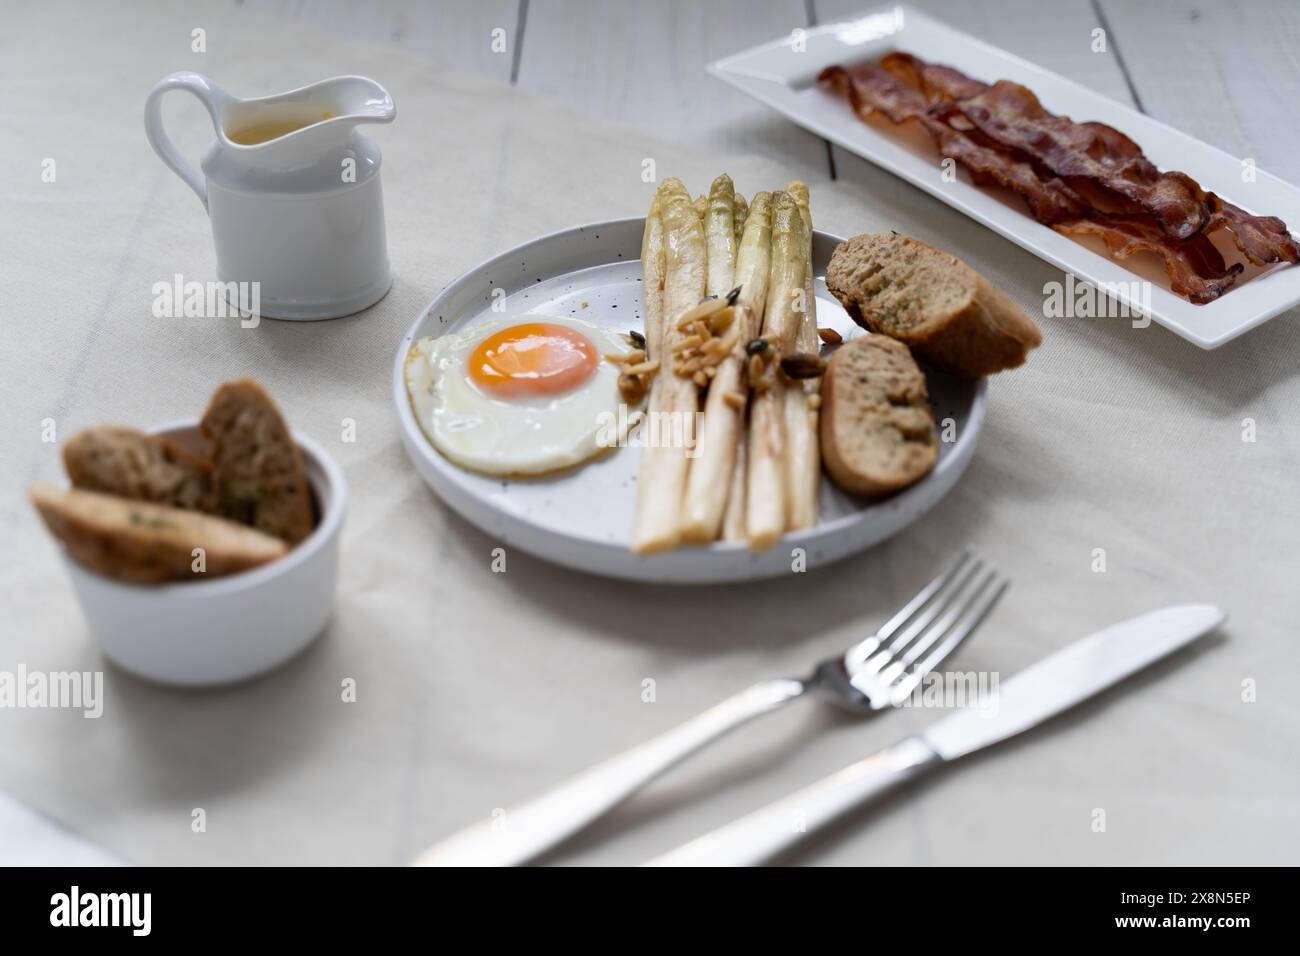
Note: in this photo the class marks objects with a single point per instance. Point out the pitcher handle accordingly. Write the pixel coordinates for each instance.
(210, 95)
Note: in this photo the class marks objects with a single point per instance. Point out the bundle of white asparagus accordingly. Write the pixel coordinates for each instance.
(731, 449)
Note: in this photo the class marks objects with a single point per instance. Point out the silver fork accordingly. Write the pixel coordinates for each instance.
(879, 672)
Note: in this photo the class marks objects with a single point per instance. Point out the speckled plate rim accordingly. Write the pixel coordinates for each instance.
(829, 541)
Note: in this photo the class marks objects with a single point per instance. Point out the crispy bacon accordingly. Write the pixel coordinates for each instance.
(870, 89)
(1195, 266)
(942, 85)
(1098, 152)
(1262, 239)
(938, 83)
(1079, 178)
(1011, 115)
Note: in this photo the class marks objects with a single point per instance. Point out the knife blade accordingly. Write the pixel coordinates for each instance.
(1041, 691)
(1071, 676)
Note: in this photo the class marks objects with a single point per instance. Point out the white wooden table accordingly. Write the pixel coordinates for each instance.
(1227, 72)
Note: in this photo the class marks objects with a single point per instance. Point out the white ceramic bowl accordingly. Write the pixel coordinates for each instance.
(230, 628)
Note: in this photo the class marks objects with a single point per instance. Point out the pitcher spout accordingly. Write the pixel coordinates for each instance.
(362, 99)
(322, 112)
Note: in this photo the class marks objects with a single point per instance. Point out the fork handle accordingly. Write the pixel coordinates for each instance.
(527, 829)
(761, 835)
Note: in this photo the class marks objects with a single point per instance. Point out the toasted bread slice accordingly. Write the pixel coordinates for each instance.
(257, 467)
(131, 464)
(148, 543)
(877, 428)
(949, 315)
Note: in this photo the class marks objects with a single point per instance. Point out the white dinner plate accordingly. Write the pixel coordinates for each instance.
(783, 74)
(583, 518)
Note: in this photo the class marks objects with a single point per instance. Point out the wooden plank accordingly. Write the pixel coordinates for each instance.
(457, 35)
(1227, 73)
(643, 65)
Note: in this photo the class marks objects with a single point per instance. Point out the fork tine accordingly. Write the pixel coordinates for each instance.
(967, 620)
(959, 602)
(949, 593)
(956, 610)
(922, 597)
(972, 623)
(892, 662)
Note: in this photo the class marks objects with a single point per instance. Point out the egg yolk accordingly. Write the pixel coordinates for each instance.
(535, 358)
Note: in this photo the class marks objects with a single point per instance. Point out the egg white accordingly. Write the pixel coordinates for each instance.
(518, 436)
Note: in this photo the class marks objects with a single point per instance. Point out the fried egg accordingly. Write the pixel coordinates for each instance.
(520, 396)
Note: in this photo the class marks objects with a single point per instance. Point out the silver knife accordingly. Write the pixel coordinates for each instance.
(1038, 693)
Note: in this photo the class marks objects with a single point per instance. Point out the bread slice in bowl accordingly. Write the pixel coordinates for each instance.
(257, 468)
(143, 542)
(131, 464)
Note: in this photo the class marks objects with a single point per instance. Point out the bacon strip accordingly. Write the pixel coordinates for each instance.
(944, 84)
(870, 89)
(1195, 266)
(938, 83)
(1097, 152)
(1011, 115)
(1262, 239)
(1079, 178)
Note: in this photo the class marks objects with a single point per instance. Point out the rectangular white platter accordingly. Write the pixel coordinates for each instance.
(783, 75)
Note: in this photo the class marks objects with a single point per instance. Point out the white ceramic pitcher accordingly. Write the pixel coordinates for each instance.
(292, 189)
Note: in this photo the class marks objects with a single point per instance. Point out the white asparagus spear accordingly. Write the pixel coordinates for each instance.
(754, 258)
(741, 211)
(766, 492)
(652, 279)
(673, 399)
(715, 454)
(733, 519)
(720, 236)
(803, 451)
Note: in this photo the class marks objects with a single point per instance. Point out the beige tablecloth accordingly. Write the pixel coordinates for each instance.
(475, 688)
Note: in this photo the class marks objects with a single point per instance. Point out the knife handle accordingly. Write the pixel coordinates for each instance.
(527, 829)
(763, 834)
